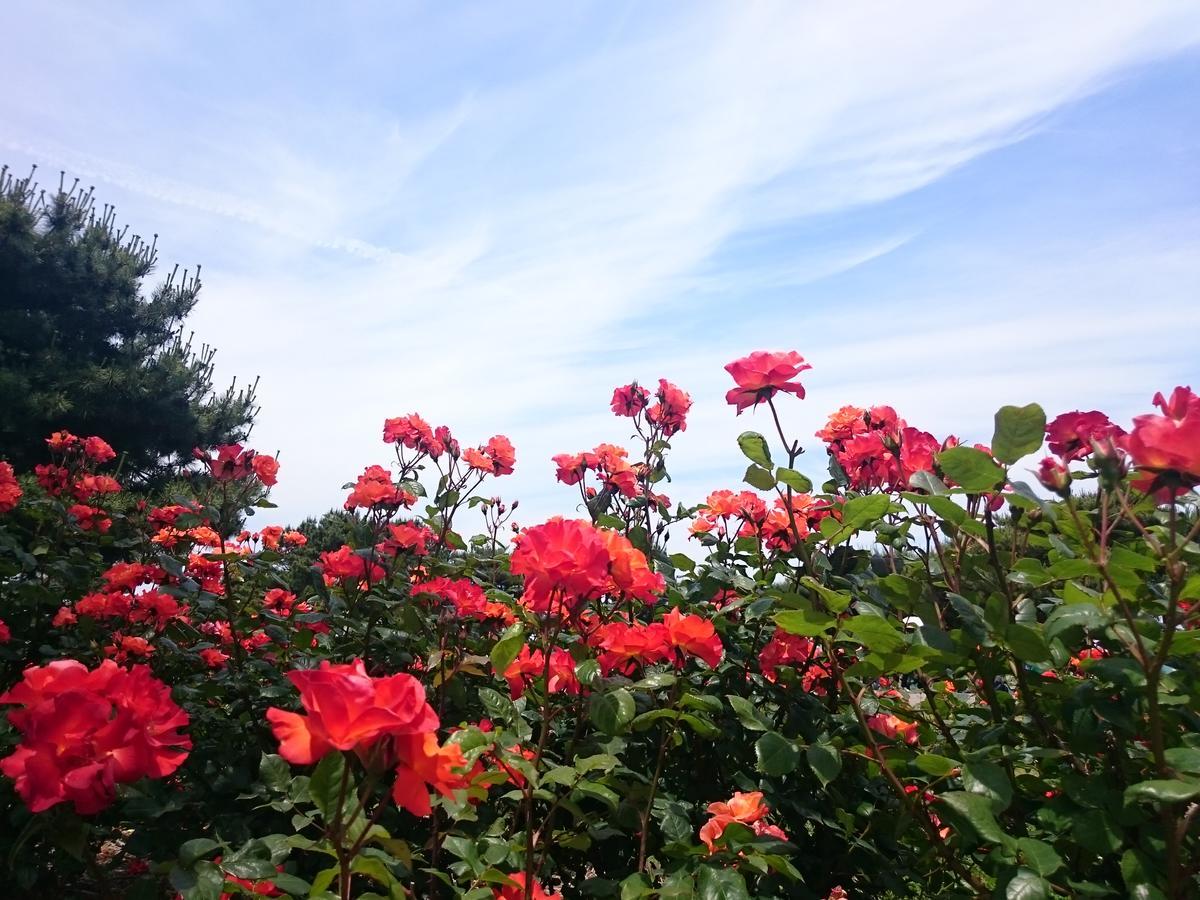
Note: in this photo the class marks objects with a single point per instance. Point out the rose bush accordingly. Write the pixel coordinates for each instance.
(920, 678)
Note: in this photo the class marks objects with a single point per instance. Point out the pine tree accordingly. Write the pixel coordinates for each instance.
(82, 347)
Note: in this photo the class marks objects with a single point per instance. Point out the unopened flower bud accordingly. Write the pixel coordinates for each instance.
(1054, 476)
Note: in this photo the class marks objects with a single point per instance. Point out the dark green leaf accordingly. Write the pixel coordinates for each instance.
(1019, 431)
(1162, 791)
(824, 760)
(612, 712)
(720, 884)
(776, 755)
(971, 469)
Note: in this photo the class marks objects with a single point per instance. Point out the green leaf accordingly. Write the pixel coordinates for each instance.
(326, 784)
(837, 601)
(612, 712)
(971, 469)
(747, 713)
(776, 755)
(921, 480)
(758, 477)
(636, 886)
(192, 850)
(1183, 759)
(875, 633)
(974, 810)
(1162, 791)
(1019, 431)
(1026, 885)
(794, 480)
(720, 884)
(1039, 856)
(1026, 643)
(857, 513)
(988, 780)
(754, 447)
(932, 764)
(655, 682)
(805, 622)
(1073, 615)
(824, 760)
(274, 772)
(505, 650)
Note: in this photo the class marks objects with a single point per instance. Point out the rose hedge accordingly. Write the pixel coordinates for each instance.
(922, 678)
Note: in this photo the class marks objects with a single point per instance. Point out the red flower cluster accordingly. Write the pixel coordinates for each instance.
(374, 489)
(386, 721)
(407, 537)
(496, 457)
(531, 665)
(517, 891)
(773, 525)
(232, 463)
(344, 565)
(623, 647)
(415, 433)
(1070, 435)
(745, 808)
(93, 448)
(568, 561)
(797, 652)
(761, 375)
(878, 449)
(667, 416)
(466, 597)
(608, 461)
(84, 732)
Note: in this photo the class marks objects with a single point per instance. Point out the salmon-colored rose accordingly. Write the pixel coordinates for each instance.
(763, 374)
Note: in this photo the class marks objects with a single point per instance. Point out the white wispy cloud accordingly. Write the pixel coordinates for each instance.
(494, 218)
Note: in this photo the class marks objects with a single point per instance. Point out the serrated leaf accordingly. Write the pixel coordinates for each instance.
(775, 754)
(824, 760)
(975, 810)
(505, 650)
(612, 711)
(720, 884)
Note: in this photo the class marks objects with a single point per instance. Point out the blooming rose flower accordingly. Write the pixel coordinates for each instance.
(630, 400)
(266, 468)
(892, 727)
(530, 665)
(346, 708)
(1166, 448)
(85, 731)
(10, 490)
(669, 414)
(761, 375)
(517, 892)
(421, 761)
(564, 557)
(843, 424)
(695, 636)
(1071, 434)
(97, 450)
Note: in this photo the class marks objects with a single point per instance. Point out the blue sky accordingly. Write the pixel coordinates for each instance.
(494, 213)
